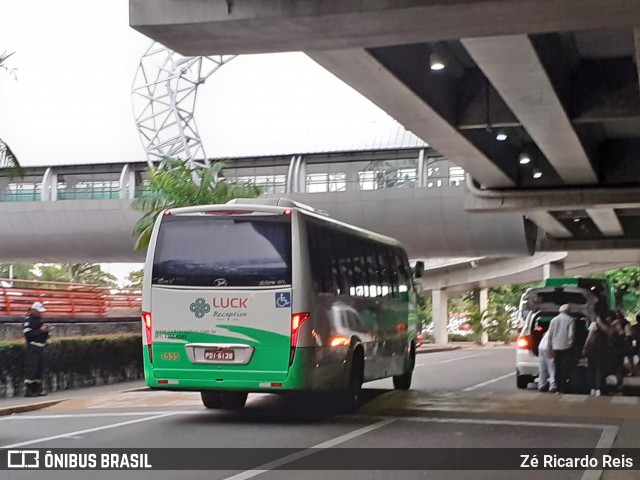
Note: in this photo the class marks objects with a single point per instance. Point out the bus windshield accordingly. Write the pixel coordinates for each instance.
(223, 251)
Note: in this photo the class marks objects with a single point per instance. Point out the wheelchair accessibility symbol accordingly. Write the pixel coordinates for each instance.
(283, 300)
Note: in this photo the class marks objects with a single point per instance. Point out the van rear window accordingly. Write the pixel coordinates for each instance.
(223, 251)
(561, 297)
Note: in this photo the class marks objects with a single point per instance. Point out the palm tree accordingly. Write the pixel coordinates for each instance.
(176, 184)
(8, 160)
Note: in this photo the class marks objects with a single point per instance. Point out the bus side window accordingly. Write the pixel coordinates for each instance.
(323, 268)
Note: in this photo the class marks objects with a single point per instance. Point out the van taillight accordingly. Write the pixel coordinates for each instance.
(523, 342)
(147, 321)
(297, 319)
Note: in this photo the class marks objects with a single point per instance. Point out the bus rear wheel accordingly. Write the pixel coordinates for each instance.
(233, 400)
(403, 382)
(211, 399)
(356, 378)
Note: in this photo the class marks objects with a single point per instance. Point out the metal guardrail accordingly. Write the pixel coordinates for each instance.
(63, 299)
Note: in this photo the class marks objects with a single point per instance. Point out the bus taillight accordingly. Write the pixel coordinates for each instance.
(297, 319)
(147, 321)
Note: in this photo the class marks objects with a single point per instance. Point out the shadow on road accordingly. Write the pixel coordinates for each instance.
(290, 408)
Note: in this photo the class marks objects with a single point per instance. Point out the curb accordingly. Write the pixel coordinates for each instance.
(438, 349)
(29, 407)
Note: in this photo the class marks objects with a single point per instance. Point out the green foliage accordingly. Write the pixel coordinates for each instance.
(461, 303)
(85, 273)
(77, 361)
(498, 325)
(22, 271)
(425, 311)
(626, 283)
(507, 297)
(134, 280)
(8, 161)
(91, 274)
(174, 184)
(478, 320)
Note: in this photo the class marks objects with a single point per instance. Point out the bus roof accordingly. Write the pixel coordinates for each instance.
(279, 206)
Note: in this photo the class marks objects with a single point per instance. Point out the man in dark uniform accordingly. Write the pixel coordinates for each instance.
(36, 335)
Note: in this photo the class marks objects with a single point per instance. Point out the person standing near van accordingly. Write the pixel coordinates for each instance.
(561, 338)
(36, 334)
(546, 367)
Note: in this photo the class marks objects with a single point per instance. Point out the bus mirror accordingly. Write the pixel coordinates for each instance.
(418, 270)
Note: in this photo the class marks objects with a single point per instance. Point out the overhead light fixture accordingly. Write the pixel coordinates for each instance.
(435, 62)
(501, 136)
(576, 219)
(524, 158)
(537, 174)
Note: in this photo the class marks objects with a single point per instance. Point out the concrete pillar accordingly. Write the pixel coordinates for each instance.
(554, 269)
(422, 178)
(439, 300)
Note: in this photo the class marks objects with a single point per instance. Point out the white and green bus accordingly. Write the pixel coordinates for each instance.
(268, 295)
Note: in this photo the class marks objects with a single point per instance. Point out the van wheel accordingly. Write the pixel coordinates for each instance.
(211, 399)
(403, 382)
(356, 377)
(523, 381)
(233, 400)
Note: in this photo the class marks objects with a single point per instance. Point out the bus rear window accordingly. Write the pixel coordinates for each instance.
(223, 251)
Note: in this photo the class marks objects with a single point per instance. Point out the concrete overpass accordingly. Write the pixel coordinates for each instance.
(558, 79)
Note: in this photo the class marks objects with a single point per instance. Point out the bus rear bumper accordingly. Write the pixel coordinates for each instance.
(313, 368)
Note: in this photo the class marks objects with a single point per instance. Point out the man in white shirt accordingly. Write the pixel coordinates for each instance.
(546, 367)
(561, 337)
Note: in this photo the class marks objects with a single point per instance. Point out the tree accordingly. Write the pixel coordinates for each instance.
(134, 280)
(176, 184)
(507, 297)
(625, 283)
(8, 160)
(21, 271)
(91, 274)
(498, 325)
(85, 273)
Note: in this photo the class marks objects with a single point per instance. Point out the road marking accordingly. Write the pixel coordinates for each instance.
(462, 358)
(610, 429)
(309, 451)
(488, 382)
(625, 400)
(97, 415)
(607, 437)
(573, 398)
(88, 430)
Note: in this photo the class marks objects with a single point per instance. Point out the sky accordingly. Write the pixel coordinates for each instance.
(75, 62)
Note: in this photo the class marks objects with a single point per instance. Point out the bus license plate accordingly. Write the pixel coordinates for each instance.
(219, 355)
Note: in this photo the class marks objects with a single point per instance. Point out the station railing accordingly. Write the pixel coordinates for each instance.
(62, 299)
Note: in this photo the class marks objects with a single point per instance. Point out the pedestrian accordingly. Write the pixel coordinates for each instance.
(546, 367)
(36, 334)
(596, 349)
(561, 338)
(617, 348)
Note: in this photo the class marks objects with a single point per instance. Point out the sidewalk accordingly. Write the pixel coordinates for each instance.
(9, 406)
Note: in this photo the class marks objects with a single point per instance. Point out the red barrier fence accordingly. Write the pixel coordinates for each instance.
(62, 299)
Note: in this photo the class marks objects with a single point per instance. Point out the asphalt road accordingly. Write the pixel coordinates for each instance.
(177, 420)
